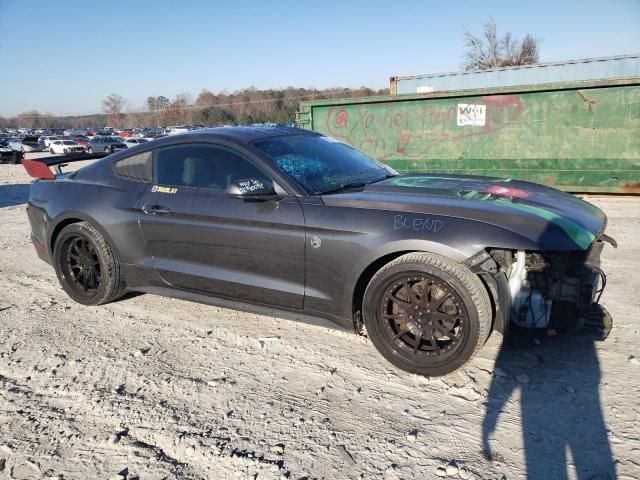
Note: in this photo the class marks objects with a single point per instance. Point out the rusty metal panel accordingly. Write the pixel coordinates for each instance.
(581, 137)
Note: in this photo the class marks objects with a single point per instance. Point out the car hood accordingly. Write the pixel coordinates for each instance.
(518, 206)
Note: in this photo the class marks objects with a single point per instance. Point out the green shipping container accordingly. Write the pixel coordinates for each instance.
(579, 136)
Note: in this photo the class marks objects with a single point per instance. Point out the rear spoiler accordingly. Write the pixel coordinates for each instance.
(39, 167)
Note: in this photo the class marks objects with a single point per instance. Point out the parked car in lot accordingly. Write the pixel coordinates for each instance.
(82, 140)
(152, 136)
(132, 142)
(28, 143)
(66, 146)
(8, 154)
(278, 218)
(175, 130)
(16, 144)
(105, 144)
(47, 139)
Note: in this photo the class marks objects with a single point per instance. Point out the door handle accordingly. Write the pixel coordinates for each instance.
(155, 209)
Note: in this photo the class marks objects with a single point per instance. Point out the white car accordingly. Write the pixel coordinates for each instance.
(175, 130)
(66, 147)
(132, 142)
(48, 139)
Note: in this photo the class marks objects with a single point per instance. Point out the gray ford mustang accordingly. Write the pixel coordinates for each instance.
(287, 220)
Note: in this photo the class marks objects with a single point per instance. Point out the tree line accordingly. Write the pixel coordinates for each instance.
(483, 51)
(242, 107)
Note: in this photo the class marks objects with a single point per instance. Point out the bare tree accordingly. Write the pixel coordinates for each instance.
(175, 112)
(113, 106)
(30, 119)
(157, 106)
(488, 50)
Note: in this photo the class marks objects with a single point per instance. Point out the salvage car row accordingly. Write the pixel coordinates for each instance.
(66, 145)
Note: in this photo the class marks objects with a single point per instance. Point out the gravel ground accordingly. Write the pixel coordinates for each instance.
(152, 387)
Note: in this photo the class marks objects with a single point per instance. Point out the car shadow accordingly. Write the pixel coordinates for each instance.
(14, 194)
(128, 296)
(558, 379)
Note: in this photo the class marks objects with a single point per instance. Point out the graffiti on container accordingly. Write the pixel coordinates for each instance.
(386, 131)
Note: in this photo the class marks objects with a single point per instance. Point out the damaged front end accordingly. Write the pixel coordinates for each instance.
(557, 292)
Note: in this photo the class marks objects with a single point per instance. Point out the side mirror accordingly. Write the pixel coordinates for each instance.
(253, 189)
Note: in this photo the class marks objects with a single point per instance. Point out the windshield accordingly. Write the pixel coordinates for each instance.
(322, 164)
(69, 142)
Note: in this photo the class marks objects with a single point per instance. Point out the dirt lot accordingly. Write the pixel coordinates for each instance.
(161, 388)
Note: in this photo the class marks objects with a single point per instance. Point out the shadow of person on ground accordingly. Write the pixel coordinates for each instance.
(13, 194)
(563, 425)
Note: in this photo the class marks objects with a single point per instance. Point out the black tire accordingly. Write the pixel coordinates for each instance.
(70, 258)
(51, 151)
(89, 150)
(108, 149)
(442, 300)
(66, 151)
(17, 157)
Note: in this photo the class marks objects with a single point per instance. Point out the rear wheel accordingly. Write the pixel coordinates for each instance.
(427, 314)
(87, 268)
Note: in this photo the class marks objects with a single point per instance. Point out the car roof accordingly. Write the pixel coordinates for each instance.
(237, 135)
(241, 134)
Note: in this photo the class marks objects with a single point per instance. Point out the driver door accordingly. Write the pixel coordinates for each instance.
(203, 240)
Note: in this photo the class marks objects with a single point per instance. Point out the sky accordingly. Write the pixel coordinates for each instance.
(64, 57)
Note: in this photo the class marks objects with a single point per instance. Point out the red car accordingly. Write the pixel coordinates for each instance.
(82, 140)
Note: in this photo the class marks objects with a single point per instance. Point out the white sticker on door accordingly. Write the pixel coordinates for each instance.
(470, 114)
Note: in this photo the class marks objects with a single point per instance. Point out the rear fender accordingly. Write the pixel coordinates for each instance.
(67, 218)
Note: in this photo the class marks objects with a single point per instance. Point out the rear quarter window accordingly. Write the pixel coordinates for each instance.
(137, 167)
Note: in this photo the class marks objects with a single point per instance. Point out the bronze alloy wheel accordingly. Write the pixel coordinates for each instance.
(427, 314)
(423, 316)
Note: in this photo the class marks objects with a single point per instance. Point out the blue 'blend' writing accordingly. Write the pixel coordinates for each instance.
(417, 224)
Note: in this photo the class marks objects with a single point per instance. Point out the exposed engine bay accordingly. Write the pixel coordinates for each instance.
(547, 290)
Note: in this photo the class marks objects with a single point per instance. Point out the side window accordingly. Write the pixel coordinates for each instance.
(136, 167)
(202, 166)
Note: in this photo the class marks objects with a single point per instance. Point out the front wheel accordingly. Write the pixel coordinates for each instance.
(87, 268)
(427, 314)
(107, 149)
(89, 150)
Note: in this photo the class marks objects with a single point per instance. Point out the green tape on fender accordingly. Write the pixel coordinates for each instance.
(581, 236)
